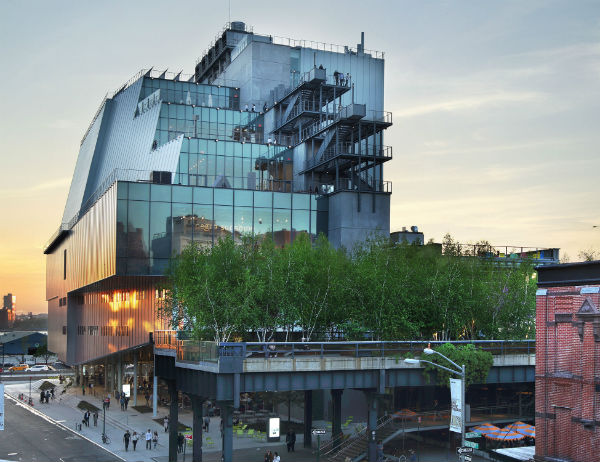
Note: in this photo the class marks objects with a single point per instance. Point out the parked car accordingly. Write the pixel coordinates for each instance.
(19, 367)
(39, 368)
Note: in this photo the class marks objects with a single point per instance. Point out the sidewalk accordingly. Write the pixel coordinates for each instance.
(63, 409)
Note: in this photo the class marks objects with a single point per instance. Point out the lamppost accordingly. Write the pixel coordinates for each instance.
(459, 371)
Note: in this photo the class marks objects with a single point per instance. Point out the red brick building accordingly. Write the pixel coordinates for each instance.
(567, 383)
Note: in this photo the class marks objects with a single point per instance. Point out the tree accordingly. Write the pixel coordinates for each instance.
(42, 351)
(588, 254)
(209, 290)
(476, 361)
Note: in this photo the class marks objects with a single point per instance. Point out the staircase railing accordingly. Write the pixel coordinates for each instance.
(333, 450)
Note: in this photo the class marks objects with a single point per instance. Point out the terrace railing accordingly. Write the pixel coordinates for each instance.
(196, 350)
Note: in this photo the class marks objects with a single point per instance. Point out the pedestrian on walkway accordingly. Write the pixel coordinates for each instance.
(42, 396)
(122, 402)
(47, 396)
(52, 392)
(206, 423)
(134, 439)
(155, 439)
(95, 418)
(180, 441)
(126, 438)
(276, 458)
(148, 439)
(166, 424)
(126, 402)
(83, 389)
(293, 441)
(147, 396)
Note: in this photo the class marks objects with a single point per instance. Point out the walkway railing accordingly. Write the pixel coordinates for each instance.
(188, 348)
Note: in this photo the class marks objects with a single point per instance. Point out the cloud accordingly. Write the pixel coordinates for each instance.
(468, 103)
(33, 190)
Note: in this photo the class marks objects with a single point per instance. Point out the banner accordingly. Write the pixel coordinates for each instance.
(457, 405)
(1, 406)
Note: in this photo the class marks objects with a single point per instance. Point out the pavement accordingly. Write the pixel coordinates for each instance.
(63, 410)
(27, 437)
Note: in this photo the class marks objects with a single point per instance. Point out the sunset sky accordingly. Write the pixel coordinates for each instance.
(496, 108)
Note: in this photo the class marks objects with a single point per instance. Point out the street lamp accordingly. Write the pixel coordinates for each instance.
(459, 371)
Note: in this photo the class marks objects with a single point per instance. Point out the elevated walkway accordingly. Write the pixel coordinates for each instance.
(295, 366)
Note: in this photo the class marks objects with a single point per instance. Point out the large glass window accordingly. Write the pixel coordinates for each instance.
(300, 222)
(281, 227)
(263, 222)
(243, 222)
(182, 194)
(160, 229)
(203, 224)
(182, 223)
(139, 191)
(223, 221)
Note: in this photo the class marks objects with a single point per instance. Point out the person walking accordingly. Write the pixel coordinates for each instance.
(180, 441)
(95, 418)
(276, 458)
(83, 389)
(126, 438)
(166, 424)
(148, 439)
(206, 423)
(126, 402)
(122, 402)
(134, 439)
(293, 441)
(147, 396)
(288, 440)
(87, 418)
(155, 439)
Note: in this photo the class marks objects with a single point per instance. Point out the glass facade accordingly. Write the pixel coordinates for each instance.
(222, 146)
(155, 222)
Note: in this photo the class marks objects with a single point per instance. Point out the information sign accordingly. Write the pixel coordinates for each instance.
(464, 450)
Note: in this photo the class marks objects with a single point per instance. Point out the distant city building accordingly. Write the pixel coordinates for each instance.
(7, 313)
(567, 388)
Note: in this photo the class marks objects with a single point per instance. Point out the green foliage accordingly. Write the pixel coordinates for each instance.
(378, 291)
(477, 363)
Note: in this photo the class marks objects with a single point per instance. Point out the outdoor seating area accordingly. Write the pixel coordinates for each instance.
(516, 434)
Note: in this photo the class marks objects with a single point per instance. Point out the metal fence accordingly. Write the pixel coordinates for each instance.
(195, 350)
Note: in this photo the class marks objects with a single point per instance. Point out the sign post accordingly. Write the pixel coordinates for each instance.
(1, 406)
(318, 432)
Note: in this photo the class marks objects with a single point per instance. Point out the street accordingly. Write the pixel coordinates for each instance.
(28, 437)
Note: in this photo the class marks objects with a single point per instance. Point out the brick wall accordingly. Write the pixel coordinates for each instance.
(568, 373)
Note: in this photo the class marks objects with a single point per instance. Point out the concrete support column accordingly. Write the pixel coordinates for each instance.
(135, 377)
(308, 418)
(197, 402)
(227, 431)
(372, 404)
(106, 377)
(173, 419)
(155, 396)
(336, 418)
(120, 374)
